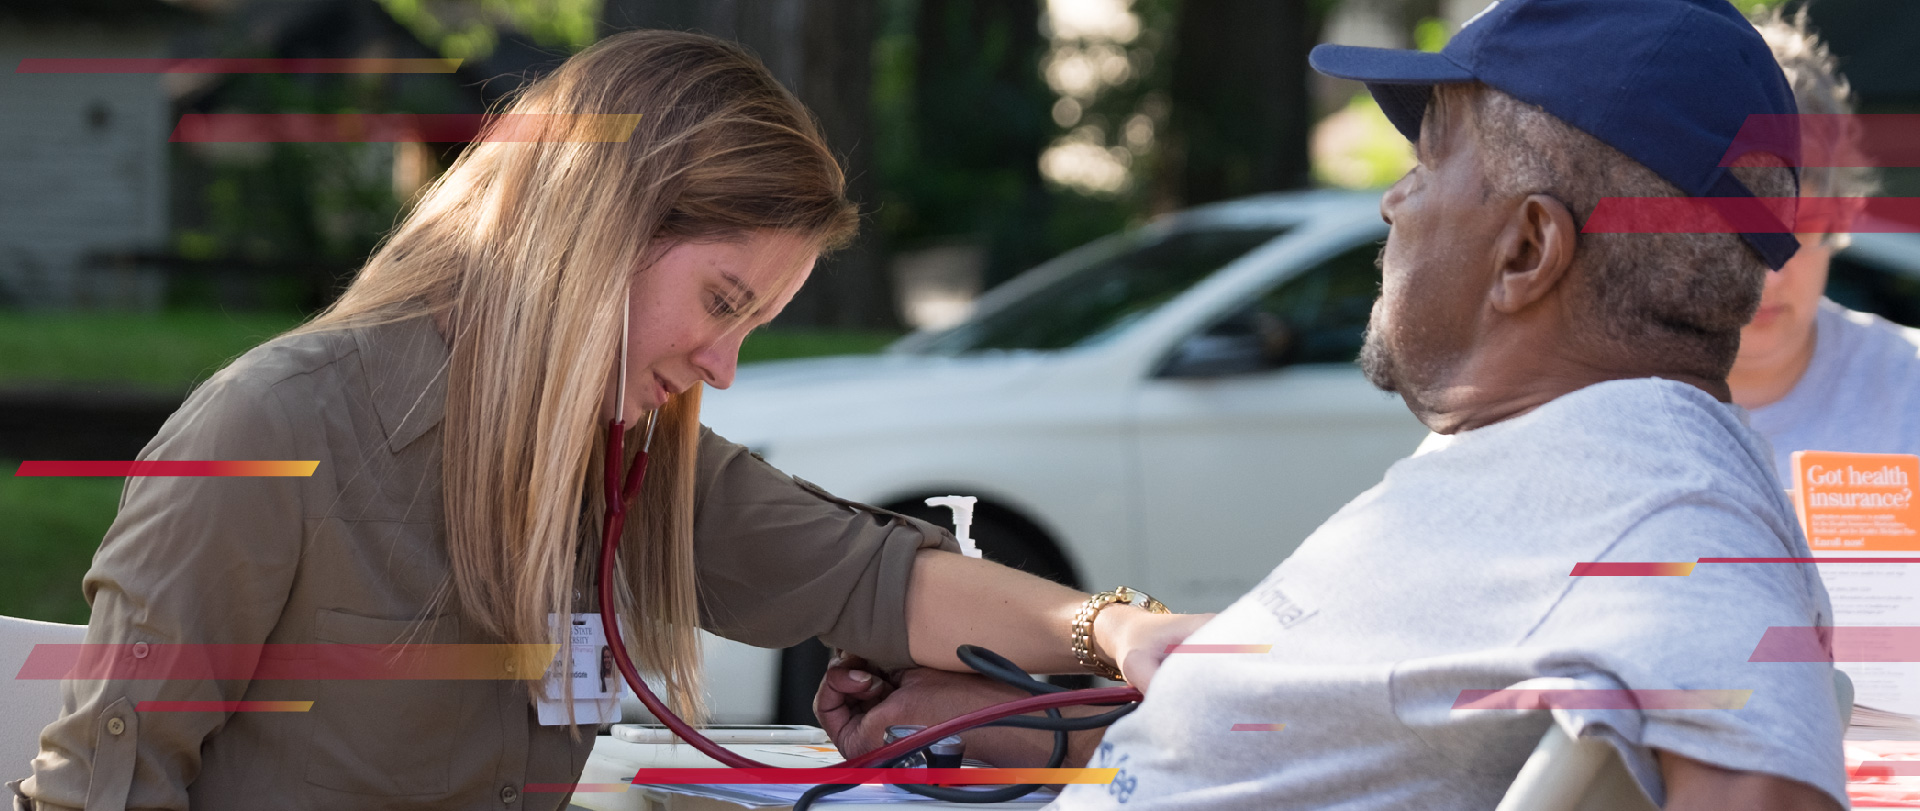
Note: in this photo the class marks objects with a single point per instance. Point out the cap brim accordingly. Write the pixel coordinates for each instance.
(1401, 81)
(1386, 65)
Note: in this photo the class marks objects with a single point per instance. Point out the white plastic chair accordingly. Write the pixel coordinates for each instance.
(27, 705)
(1564, 774)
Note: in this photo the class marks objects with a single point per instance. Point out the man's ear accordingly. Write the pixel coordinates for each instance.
(1531, 255)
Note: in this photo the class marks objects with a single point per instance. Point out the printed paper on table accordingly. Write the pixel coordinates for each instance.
(1862, 505)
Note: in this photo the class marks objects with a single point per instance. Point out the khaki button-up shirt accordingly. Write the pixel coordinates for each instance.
(355, 554)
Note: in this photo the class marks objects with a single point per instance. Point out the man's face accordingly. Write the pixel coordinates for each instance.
(1444, 218)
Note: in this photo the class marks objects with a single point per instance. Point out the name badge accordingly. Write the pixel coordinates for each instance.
(586, 663)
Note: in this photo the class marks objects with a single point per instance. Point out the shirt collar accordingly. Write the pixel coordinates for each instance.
(405, 366)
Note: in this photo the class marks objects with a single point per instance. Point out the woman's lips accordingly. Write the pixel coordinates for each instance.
(1767, 313)
(666, 392)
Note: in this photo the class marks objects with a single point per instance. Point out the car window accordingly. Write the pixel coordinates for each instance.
(1862, 285)
(1091, 303)
(1319, 316)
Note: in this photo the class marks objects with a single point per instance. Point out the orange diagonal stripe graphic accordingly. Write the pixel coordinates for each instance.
(169, 467)
(223, 706)
(289, 662)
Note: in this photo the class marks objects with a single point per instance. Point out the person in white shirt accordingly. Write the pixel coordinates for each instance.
(1581, 380)
(1814, 374)
(1820, 377)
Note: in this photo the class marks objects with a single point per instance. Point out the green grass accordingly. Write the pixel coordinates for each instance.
(166, 351)
(172, 351)
(48, 530)
(49, 527)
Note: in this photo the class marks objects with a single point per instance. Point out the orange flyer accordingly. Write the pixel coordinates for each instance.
(1857, 501)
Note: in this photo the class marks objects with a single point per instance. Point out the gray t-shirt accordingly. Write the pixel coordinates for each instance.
(1452, 574)
(1861, 392)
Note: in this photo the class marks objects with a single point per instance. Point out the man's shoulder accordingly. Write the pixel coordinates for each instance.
(1634, 421)
(1623, 445)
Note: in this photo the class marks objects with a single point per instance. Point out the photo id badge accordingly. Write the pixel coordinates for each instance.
(588, 664)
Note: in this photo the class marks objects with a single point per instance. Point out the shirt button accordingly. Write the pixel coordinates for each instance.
(116, 726)
(508, 794)
(139, 650)
(509, 667)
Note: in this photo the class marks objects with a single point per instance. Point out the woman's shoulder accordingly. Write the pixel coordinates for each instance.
(365, 379)
(325, 353)
(301, 372)
(285, 357)
(1864, 356)
(1860, 331)
(264, 389)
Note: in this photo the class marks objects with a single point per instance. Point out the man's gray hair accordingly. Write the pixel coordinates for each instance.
(1680, 297)
(1818, 88)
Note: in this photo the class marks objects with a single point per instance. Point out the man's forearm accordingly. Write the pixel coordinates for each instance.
(1011, 748)
(1696, 786)
(1080, 747)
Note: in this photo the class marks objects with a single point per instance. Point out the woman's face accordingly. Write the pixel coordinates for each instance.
(1783, 326)
(683, 326)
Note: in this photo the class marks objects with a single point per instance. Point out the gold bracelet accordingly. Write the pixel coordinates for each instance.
(1083, 626)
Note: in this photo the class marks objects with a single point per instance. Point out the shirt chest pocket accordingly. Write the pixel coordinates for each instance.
(382, 736)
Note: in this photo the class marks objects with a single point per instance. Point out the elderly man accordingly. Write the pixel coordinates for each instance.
(1581, 379)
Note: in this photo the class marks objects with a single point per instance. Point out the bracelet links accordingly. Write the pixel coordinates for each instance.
(1083, 626)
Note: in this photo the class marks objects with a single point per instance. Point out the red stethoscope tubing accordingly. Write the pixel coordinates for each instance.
(620, 492)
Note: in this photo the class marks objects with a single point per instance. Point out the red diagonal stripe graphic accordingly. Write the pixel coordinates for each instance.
(1851, 643)
(1885, 140)
(1754, 215)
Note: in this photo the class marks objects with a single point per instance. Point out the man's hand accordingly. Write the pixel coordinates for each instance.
(1138, 641)
(850, 689)
(856, 713)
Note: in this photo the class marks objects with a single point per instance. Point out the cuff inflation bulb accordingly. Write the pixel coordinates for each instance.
(947, 753)
(962, 507)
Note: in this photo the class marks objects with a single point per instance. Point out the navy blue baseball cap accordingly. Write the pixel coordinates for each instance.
(1669, 83)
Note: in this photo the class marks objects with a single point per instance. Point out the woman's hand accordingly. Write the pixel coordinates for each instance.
(1139, 641)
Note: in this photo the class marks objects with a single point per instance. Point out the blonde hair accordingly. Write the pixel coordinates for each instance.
(523, 251)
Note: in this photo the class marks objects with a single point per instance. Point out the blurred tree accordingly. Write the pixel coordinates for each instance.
(1874, 43)
(1240, 112)
(822, 51)
(471, 29)
(959, 149)
(1106, 65)
(283, 225)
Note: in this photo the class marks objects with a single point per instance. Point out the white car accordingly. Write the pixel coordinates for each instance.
(1173, 408)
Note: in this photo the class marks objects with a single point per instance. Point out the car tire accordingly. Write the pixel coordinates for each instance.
(1003, 537)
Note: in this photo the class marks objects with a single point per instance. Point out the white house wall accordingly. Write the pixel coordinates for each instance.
(73, 182)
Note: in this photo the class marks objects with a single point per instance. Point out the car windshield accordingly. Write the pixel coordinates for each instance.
(1114, 288)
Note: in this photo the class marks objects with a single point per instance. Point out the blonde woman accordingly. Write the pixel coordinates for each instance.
(456, 398)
